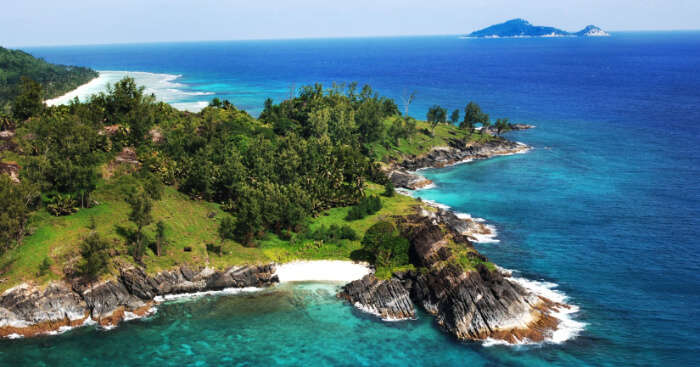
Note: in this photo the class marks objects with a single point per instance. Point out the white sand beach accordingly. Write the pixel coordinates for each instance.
(322, 270)
(163, 86)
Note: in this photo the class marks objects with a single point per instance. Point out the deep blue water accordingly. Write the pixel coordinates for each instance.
(606, 205)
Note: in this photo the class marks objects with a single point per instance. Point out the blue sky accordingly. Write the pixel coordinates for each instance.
(68, 22)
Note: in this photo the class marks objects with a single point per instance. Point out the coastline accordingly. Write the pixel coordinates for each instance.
(83, 90)
(59, 307)
(410, 182)
(164, 86)
(551, 311)
(535, 318)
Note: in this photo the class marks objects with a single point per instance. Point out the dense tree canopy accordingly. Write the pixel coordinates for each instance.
(29, 101)
(385, 245)
(308, 153)
(16, 203)
(55, 80)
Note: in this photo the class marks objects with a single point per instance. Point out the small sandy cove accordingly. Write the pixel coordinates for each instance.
(322, 270)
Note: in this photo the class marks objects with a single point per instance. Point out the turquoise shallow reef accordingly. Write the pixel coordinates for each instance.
(604, 209)
(299, 324)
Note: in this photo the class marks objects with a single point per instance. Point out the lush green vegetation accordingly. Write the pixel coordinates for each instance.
(55, 80)
(386, 248)
(124, 179)
(367, 206)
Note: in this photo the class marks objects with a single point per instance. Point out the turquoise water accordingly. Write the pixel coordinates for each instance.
(295, 324)
(606, 205)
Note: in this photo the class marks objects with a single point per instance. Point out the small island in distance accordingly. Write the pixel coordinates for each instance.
(521, 28)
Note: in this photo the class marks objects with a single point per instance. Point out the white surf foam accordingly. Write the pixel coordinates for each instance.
(373, 311)
(568, 327)
(61, 330)
(164, 86)
(225, 291)
(490, 237)
(128, 316)
(427, 187)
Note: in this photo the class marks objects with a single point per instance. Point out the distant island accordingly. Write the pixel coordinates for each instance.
(521, 28)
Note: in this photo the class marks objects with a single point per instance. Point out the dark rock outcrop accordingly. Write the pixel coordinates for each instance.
(386, 299)
(472, 304)
(408, 180)
(403, 175)
(475, 304)
(29, 310)
(25, 306)
(459, 150)
(521, 126)
(106, 298)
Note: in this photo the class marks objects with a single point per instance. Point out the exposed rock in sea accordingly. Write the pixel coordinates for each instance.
(408, 180)
(521, 126)
(108, 300)
(29, 310)
(386, 299)
(472, 304)
(402, 175)
(459, 151)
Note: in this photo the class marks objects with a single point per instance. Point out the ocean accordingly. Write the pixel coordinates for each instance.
(603, 211)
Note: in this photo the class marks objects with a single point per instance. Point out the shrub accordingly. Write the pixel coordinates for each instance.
(347, 233)
(94, 253)
(285, 235)
(62, 205)
(227, 228)
(331, 234)
(45, 266)
(387, 248)
(214, 248)
(366, 206)
(389, 190)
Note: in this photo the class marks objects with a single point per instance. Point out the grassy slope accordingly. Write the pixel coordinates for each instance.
(422, 143)
(188, 223)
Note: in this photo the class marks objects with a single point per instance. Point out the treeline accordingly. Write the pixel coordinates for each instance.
(267, 179)
(55, 79)
(473, 115)
(302, 156)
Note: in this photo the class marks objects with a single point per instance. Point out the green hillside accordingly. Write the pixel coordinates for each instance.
(123, 179)
(55, 79)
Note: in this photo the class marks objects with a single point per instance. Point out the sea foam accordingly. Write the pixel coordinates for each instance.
(225, 291)
(164, 86)
(568, 327)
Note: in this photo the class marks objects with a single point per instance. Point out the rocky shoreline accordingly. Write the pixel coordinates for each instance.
(474, 304)
(30, 310)
(403, 175)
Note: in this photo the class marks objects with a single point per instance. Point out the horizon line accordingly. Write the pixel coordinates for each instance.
(309, 38)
